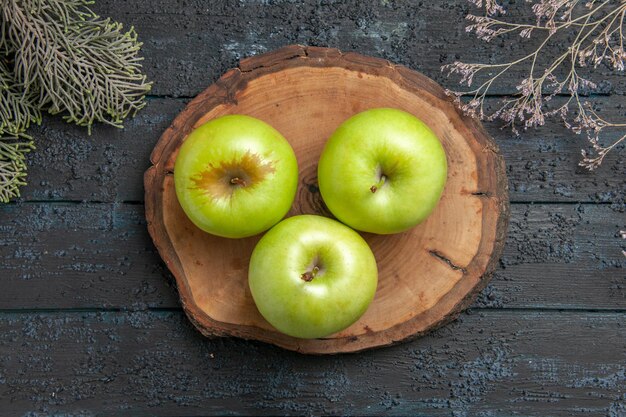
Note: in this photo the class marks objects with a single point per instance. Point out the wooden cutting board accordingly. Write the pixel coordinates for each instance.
(427, 275)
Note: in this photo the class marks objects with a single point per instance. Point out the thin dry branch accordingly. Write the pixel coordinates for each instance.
(597, 32)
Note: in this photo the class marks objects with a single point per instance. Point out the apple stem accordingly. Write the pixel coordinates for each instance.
(238, 181)
(380, 183)
(309, 275)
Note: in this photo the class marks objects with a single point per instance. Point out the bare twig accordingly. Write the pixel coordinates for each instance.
(596, 30)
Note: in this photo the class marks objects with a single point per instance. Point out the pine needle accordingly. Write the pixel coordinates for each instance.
(59, 56)
(17, 112)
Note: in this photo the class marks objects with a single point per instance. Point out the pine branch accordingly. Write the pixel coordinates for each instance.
(17, 109)
(17, 112)
(58, 55)
(13, 150)
(74, 61)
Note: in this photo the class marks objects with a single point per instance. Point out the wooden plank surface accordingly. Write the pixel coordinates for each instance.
(189, 44)
(68, 255)
(146, 363)
(90, 323)
(542, 165)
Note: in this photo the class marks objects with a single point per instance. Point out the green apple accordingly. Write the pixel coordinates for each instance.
(235, 176)
(311, 276)
(382, 171)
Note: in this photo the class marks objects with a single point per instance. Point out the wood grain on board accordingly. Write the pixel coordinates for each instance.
(426, 275)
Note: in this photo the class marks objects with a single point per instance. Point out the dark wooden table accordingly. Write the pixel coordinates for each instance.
(90, 322)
